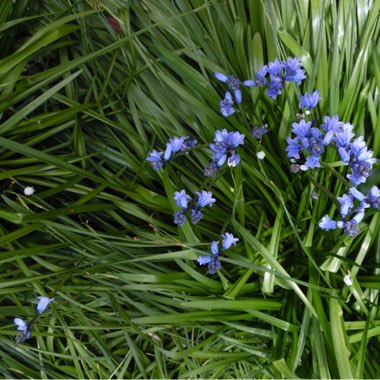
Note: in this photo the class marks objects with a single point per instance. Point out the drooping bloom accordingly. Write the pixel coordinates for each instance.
(23, 327)
(155, 159)
(258, 132)
(43, 303)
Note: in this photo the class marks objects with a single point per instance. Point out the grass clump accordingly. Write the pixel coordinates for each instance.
(89, 90)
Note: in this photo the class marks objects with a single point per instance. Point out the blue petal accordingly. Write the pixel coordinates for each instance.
(202, 260)
(221, 77)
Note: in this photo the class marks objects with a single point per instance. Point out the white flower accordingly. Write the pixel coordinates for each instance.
(29, 190)
(260, 155)
(347, 279)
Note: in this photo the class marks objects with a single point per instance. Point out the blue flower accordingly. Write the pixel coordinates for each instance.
(212, 260)
(173, 146)
(205, 198)
(373, 197)
(23, 327)
(293, 71)
(233, 84)
(309, 100)
(327, 223)
(293, 147)
(331, 126)
(196, 215)
(226, 108)
(302, 128)
(179, 218)
(182, 199)
(155, 159)
(258, 132)
(346, 204)
(275, 68)
(233, 160)
(43, 303)
(211, 170)
(276, 84)
(260, 79)
(228, 240)
(344, 135)
(224, 144)
(21, 324)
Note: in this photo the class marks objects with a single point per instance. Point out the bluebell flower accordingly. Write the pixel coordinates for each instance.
(211, 170)
(225, 143)
(258, 132)
(155, 159)
(276, 84)
(275, 68)
(371, 200)
(293, 71)
(205, 198)
(343, 137)
(294, 147)
(260, 79)
(331, 126)
(43, 303)
(233, 160)
(226, 108)
(309, 100)
(346, 204)
(173, 146)
(21, 324)
(327, 223)
(182, 199)
(233, 84)
(309, 139)
(179, 218)
(196, 215)
(228, 240)
(23, 327)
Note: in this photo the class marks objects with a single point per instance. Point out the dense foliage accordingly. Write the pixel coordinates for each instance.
(89, 90)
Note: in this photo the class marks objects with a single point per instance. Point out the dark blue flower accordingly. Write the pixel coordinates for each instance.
(309, 100)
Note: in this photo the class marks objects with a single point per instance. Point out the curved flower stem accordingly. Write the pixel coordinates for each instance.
(336, 174)
(323, 188)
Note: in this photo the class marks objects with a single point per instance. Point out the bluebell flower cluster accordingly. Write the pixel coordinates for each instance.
(212, 260)
(224, 148)
(274, 75)
(25, 327)
(174, 145)
(185, 202)
(311, 142)
(279, 72)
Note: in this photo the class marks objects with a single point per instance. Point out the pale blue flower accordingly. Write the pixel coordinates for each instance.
(155, 159)
(346, 204)
(327, 223)
(228, 240)
(205, 198)
(43, 303)
(182, 199)
(21, 324)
